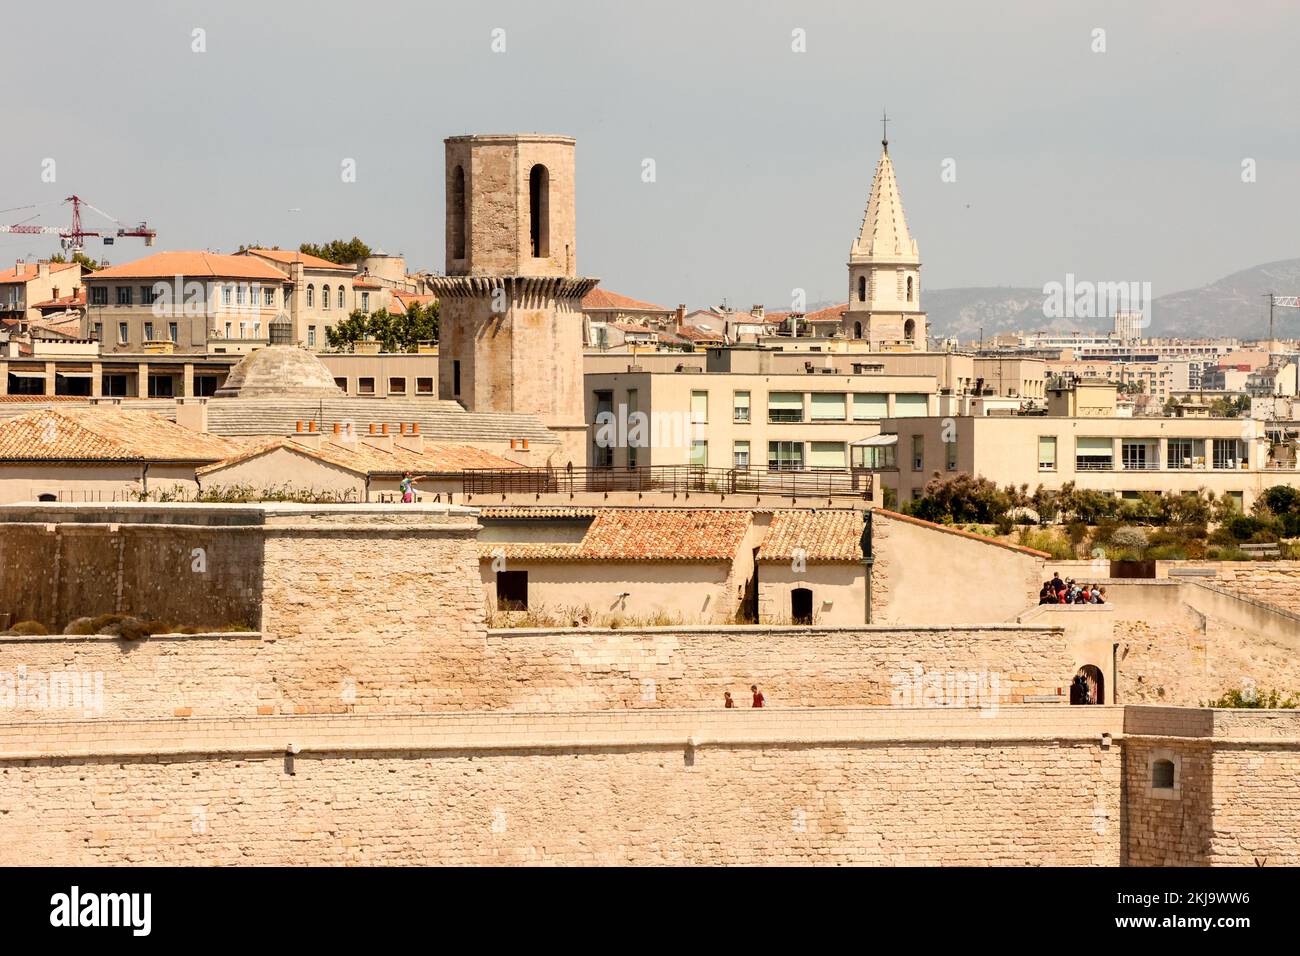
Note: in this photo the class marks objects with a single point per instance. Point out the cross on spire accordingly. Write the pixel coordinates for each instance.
(884, 130)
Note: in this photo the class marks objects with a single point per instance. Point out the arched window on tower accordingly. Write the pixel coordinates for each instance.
(909, 331)
(539, 211)
(862, 288)
(857, 330)
(909, 288)
(458, 224)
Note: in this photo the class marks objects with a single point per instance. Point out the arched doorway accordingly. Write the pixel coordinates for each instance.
(801, 611)
(1089, 686)
(857, 330)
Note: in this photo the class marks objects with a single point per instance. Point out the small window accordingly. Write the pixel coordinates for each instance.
(699, 454)
(455, 377)
(268, 297)
(311, 296)
(397, 386)
(172, 331)
(512, 590)
(311, 335)
(147, 295)
(325, 297)
(539, 212)
(341, 297)
(424, 386)
(918, 452)
(365, 386)
(124, 295)
(99, 295)
(1162, 774)
(365, 302)
(699, 407)
(909, 288)
(123, 336)
(740, 407)
(1047, 453)
(950, 455)
(740, 455)
(862, 296)
(342, 384)
(148, 331)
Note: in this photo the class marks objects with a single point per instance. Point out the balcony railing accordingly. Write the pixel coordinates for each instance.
(671, 479)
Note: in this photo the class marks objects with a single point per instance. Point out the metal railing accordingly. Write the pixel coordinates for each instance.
(671, 479)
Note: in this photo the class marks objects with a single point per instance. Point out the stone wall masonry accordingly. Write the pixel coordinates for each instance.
(886, 787)
(321, 661)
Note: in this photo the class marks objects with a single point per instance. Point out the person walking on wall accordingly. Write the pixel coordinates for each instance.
(726, 698)
(407, 486)
(758, 695)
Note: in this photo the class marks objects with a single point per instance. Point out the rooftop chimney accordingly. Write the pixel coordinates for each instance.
(680, 319)
(192, 413)
(756, 311)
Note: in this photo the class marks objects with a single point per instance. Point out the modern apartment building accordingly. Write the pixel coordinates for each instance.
(793, 421)
(1121, 456)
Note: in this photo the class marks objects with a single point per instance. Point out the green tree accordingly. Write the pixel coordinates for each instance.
(82, 259)
(396, 332)
(961, 497)
(254, 245)
(344, 252)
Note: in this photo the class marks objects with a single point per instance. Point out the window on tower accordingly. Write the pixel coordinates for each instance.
(457, 213)
(909, 288)
(539, 212)
(862, 288)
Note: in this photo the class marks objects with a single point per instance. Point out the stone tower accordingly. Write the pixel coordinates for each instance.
(885, 270)
(511, 315)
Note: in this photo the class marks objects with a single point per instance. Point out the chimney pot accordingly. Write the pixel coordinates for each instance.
(372, 428)
(337, 428)
(297, 427)
(415, 428)
(383, 429)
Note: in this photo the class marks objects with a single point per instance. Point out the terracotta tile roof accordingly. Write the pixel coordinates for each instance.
(407, 299)
(825, 535)
(829, 314)
(540, 512)
(602, 300)
(532, 551)
(63, 302)
(632, 327)
(288, 256)
(165, 265)
(699, 335)
(362, 283)
(642, 534)
(29, 271)
(91, 433)
(364, 459)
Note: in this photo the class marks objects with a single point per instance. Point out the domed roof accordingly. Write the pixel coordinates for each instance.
(279, 371)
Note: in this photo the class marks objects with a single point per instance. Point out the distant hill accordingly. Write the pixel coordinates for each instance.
(1231, 306)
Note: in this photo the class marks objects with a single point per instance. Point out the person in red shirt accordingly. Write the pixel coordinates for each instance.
(728, 702)
(758, 695)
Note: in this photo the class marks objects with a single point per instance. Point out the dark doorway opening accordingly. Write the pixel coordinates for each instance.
(801, 606)
(512, 590)
(1089, 686)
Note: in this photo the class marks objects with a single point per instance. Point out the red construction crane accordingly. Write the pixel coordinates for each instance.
(73, 239)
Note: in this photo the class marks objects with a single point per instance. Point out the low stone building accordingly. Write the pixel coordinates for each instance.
(80, 453)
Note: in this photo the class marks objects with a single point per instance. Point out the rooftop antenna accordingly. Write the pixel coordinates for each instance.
(884, 130)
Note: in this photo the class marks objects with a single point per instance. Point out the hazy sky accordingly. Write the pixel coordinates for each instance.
(1119, 166)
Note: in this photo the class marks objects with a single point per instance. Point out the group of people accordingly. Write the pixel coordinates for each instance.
(753, 689)
(1069, 591)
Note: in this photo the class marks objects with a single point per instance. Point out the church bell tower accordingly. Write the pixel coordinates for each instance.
(510, 303)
